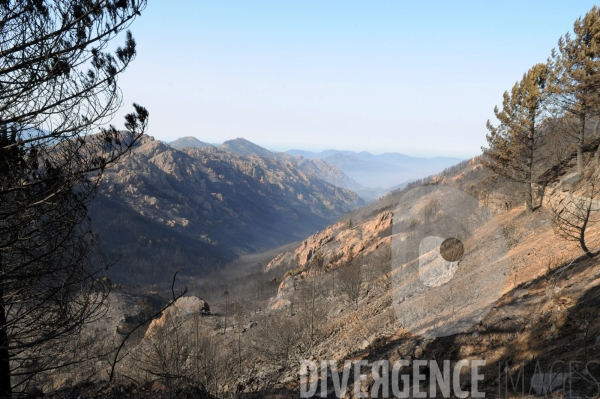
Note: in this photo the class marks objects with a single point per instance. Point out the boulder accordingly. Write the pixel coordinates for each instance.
(191, 305)
(520, 294)
(287, 286)
(184, 307)
(251, 324)
(157, 387)
(418, 352)
(280, 304)
(154, 386)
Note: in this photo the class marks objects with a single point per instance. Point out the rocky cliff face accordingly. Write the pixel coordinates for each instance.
(325, 170)
(317, 167)
(339, 242)
(168, 209)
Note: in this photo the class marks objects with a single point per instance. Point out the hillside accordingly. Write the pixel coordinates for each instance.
(547, 309)
(194, 209)
(299, 306)
(325, 170)
(370, 176)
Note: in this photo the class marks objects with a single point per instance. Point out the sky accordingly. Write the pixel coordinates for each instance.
(419, 78)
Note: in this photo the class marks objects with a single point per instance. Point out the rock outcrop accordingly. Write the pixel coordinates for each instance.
(183, 308)
(339, 242)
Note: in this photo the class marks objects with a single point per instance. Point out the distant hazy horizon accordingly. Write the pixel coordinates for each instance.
(416, 78)
(317, 150)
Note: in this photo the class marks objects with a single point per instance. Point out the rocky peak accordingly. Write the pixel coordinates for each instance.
(242, 146)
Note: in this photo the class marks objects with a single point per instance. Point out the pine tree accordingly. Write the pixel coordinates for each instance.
(575, 77)
(515, 145)
(58, 88)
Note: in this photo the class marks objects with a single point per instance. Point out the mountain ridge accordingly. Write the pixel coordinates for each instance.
(215, 203)
(320, 168)
(369, 175)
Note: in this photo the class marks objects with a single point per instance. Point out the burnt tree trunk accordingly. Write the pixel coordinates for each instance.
(5, 384)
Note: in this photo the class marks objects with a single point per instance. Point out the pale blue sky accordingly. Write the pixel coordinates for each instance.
(419, 78)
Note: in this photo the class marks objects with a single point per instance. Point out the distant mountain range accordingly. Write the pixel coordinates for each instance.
(167, 209)
(317, 167)
(371, 176)
(382, 171)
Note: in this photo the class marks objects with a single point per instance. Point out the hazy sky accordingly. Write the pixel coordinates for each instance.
(419, 78)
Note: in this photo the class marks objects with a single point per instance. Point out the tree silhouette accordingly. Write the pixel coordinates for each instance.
(58, 85)
(575, 211)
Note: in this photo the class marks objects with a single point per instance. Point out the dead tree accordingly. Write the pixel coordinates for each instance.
(226, 296)
(279, 339)
(165, 351)
(575, 211)
(310, 313)
(240, 316)
(350, 281)
(384, 267)
(144, 322)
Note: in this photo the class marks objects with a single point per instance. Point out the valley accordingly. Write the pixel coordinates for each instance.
(269, 311)
(196, 209)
